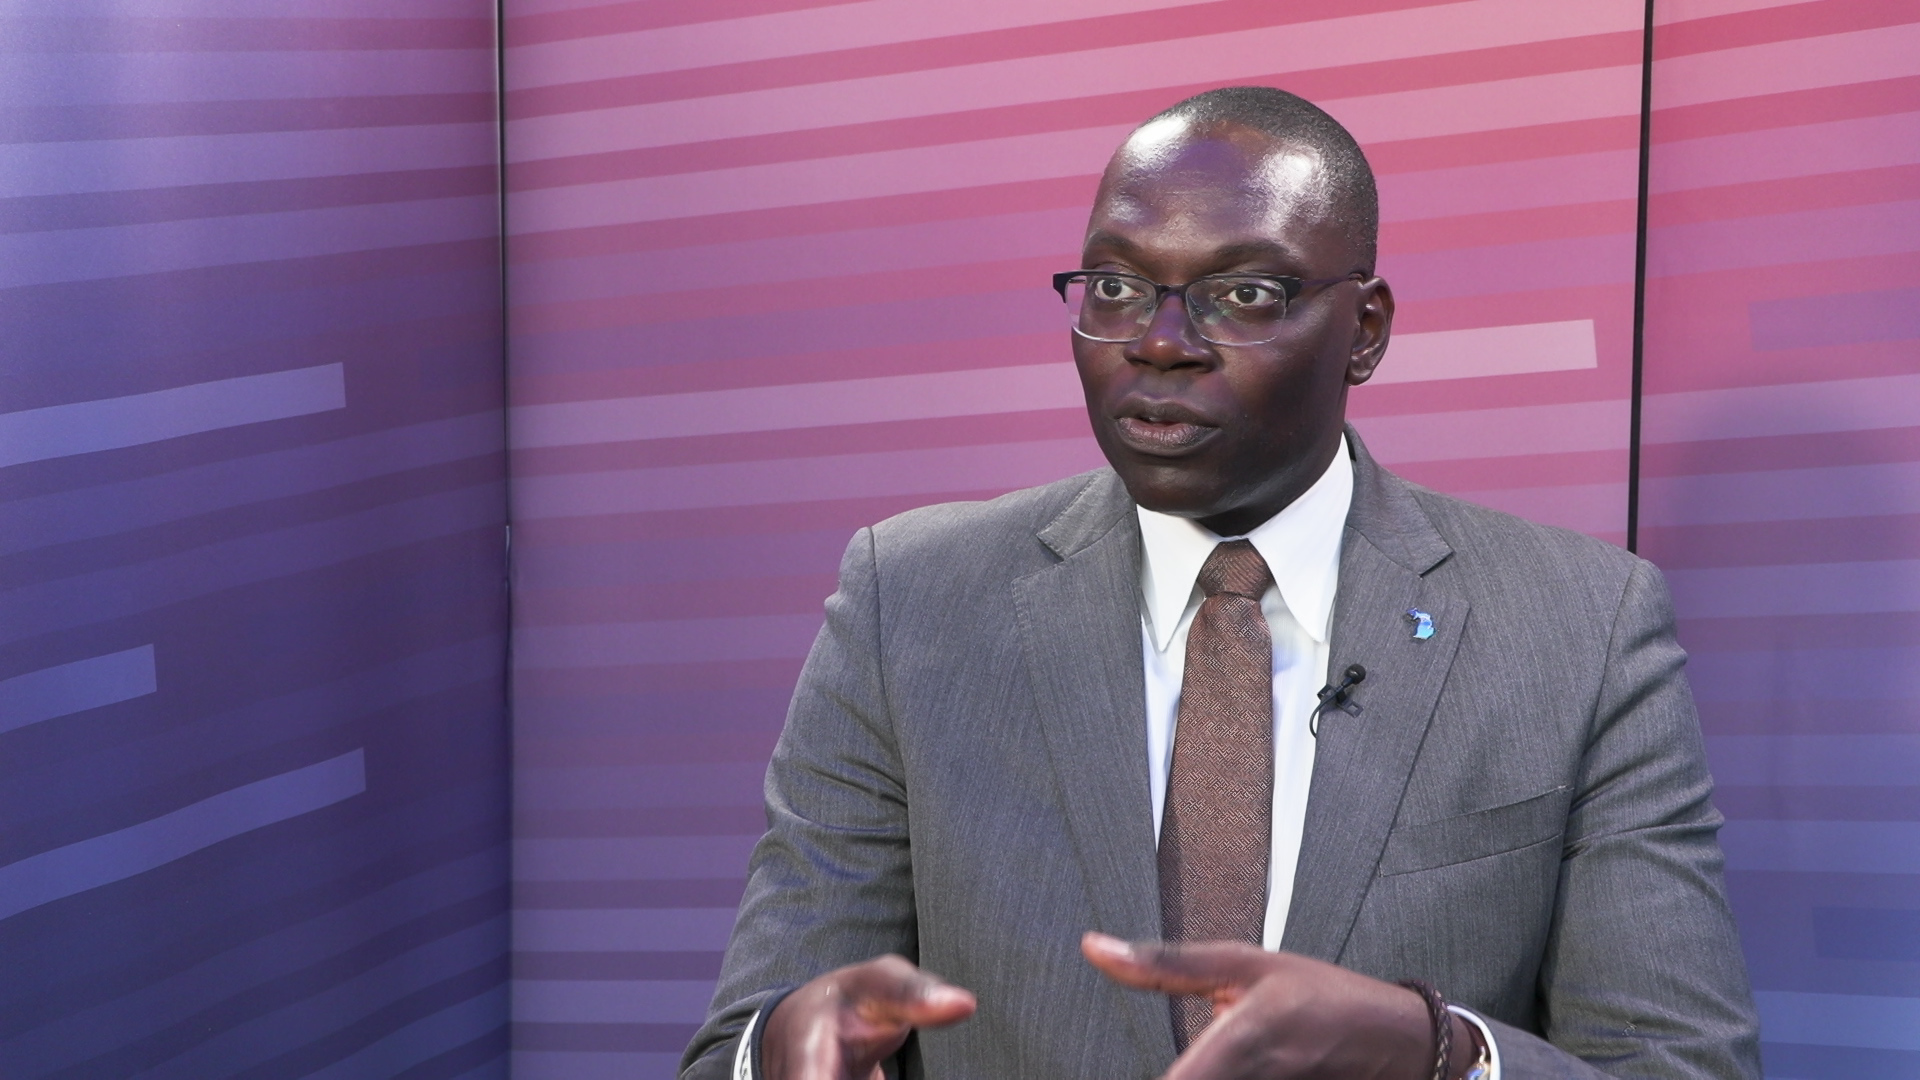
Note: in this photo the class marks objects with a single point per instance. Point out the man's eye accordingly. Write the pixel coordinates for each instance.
(1249, 294)
(1114, 290)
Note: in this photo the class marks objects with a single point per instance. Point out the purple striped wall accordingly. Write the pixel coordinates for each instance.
(778, 270)
(1781, 492)
(252, 736)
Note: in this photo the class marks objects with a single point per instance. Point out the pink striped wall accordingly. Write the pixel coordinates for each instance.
(778, 269)
(1781, 491)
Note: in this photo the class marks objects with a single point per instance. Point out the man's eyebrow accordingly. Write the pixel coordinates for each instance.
(1250, 250)
(1110, 240)
(1241, 252)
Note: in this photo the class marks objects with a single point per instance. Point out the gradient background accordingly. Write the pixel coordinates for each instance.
(776, 269)
(252, 730)
(1781, 493)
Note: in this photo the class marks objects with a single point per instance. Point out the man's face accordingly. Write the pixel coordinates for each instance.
(1225, 434)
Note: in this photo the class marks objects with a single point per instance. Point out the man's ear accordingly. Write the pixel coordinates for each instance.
(1371, 331)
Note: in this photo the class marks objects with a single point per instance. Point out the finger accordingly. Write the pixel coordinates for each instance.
(1235, 1044)
(1205, 967)
(890, 992)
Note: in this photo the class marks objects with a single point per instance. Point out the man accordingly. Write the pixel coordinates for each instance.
(1037, 729)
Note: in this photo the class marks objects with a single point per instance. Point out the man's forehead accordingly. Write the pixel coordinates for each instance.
(1171, 167)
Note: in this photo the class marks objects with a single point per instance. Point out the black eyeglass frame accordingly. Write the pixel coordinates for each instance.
(1290, 290)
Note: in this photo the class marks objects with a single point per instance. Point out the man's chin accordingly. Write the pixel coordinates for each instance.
(1168, 490)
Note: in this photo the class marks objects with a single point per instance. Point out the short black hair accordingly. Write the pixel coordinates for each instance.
(1293, 119)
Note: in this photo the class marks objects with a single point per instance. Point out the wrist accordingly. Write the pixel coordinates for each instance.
(1458, 1048)
(1442, 1039)
(766, 1046)
(1466, 1048)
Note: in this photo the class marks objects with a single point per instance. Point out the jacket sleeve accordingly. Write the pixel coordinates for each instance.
(1643, 975)
(831, 882)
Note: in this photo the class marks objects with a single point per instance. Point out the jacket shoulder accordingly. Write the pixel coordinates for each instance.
(1491, 541)
(1004, 528)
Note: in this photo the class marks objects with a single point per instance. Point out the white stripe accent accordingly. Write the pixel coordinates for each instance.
(1519, 431)
(620, 930)
(666, 641)
(1839, 847)
(1850, 588)
(1775, 67)
(74, 513)
(612, 1001)
(1805, 408)
(93, 165)
(102, 78)
(793, 33)
(941, 470)
(1489, 350)
(735, 784)
(102, 860)
(632, 858)
(1857, 1020)
(1839, 491)
(85, 427)
(1814, 760)
(76, 687)
(113, 251)
(593, 1064)
(1674, 11)
(1587, 508)
(976, 392)
(1421, 357)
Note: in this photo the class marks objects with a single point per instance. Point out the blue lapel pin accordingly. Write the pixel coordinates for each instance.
(1422, 624)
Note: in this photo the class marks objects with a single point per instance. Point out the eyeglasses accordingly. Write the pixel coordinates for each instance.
(1226, 309)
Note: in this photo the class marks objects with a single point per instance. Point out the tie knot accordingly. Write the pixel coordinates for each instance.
(1236, 569)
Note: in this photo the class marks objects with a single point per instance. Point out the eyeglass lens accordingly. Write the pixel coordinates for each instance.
(1226, 310)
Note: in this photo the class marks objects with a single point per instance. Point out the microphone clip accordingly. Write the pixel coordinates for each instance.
(1338, 697)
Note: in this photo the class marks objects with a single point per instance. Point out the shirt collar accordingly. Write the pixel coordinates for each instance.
(1301, 545)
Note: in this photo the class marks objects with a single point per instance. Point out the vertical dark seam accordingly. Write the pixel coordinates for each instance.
(1640, 286)
(506, 457)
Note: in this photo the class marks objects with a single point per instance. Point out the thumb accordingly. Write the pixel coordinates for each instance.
(893, 992)
(1198, 968)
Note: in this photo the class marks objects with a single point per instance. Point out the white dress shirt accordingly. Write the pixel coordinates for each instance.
(1301, 545)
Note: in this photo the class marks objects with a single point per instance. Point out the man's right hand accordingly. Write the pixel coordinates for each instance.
(842, 1025)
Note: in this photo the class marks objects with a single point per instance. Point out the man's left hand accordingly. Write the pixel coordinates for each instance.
(1283, 1016)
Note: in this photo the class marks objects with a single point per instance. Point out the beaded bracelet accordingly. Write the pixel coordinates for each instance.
(1442, 1024)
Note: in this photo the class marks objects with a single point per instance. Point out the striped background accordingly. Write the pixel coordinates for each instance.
(779, 274)
(252, 740)
(1782, 492)
(777, 270)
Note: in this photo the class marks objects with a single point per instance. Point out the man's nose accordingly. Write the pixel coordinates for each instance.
(1171, 339)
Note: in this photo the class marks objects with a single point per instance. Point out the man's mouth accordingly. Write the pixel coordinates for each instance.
(1162, 428)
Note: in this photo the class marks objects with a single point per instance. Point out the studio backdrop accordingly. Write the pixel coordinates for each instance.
(305, 302)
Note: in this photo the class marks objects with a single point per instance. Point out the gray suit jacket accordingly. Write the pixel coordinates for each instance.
(1519, 813)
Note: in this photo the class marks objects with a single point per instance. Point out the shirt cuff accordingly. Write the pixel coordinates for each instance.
(1486, 1033)
(746, 1053)
(743, 1054)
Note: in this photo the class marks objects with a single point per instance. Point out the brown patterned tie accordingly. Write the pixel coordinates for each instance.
(1216, 830)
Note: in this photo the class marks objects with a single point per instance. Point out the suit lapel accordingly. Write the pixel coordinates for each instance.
(1080, 630)
(1362, 763)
